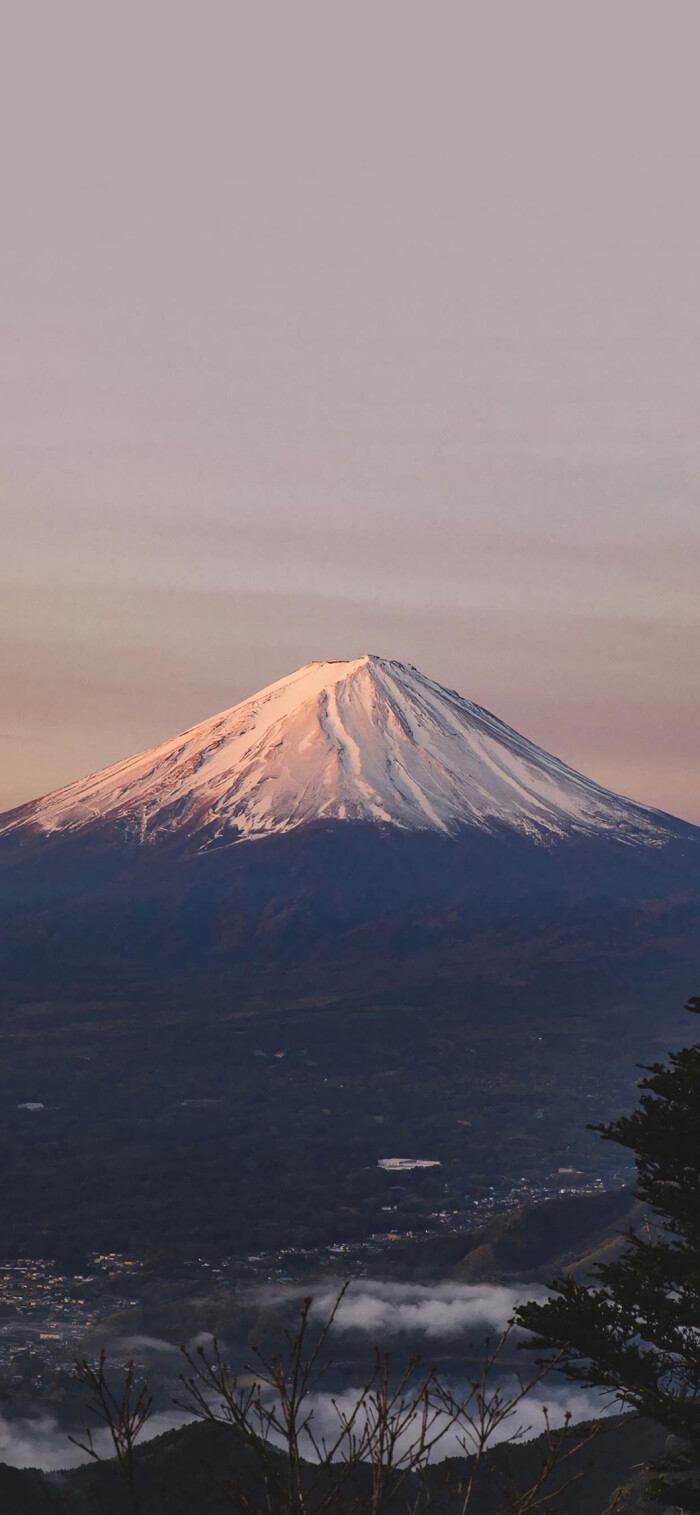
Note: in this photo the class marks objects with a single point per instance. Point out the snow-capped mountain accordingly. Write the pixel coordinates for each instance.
(365, 740)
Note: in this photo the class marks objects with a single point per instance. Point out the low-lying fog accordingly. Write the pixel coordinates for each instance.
(445, 1323)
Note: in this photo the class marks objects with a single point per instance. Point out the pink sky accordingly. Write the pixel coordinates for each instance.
(334, 328)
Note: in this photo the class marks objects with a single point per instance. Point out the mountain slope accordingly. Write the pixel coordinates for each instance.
(355, 917)
(368, 740)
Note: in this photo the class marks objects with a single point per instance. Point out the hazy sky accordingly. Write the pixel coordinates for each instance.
(344, 327)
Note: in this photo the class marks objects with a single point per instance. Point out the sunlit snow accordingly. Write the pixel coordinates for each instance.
(365, 740)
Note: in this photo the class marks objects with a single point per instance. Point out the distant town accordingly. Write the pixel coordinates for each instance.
(48, 1317)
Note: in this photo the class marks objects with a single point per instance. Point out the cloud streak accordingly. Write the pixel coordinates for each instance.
(545, 1406)
(37, 1441)
(424, 1311)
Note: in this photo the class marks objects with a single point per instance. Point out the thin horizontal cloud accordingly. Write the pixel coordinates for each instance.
(382, 1310)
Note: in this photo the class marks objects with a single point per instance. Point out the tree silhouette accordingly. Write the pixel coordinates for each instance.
(635, 1329)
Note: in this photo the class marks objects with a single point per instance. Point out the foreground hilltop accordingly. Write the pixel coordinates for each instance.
(199, 1467)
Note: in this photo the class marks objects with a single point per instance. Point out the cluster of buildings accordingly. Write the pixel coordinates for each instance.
(45, 1315)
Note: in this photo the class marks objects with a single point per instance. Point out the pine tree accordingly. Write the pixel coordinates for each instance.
(635, 1329)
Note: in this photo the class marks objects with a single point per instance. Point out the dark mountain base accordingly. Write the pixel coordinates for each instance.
(73, 910)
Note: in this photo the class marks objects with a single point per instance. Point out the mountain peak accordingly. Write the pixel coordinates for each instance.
(366, 739)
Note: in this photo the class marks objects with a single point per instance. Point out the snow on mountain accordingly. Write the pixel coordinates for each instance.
(365, 740)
